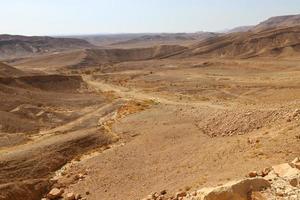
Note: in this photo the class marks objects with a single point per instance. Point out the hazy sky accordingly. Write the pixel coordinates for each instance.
(61, 17)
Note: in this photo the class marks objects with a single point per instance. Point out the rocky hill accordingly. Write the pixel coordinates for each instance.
(12, 46)
(283, 42)
(278, 22)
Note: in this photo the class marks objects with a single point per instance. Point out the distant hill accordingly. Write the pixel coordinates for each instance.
(145, 39)
(276, 42)
(240, 29)
(166, 39)
(94, 57)
(278, 22)
(12, 46)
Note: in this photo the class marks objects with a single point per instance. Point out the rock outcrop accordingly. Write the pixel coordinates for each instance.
(280, 182)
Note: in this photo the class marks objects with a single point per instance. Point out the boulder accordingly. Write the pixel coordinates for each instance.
(70, 196)
(285, 170)
(235, 190)
(55, 193)
(294, 182)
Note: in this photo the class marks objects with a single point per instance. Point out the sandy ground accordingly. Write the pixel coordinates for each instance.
(168, 124)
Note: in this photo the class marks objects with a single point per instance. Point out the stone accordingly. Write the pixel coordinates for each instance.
(265, 171)
(271, 176)
(296, 113)
(79, 176)
(279, 193)
(257, 196)
(77, 196)
(155, 195)
(252, 174)
(163, 192)
(54, 180)
(234, 190)
(55, 193)
(294, 182)
(295, 162)
(194, 193)
(70, 196)
(285, 170)
(181, 194)
(161, 197)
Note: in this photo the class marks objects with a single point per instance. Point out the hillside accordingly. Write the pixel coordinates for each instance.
(13, 46)
(8, 71)
(278, 22)
(94, 57)
(100, 56)
(282, 42)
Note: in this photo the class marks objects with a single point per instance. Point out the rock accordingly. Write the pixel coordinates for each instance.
(70, 196)
(181, 194)
(54, 180)
(257, 196)
(279, 193)
(252, 174)
(55, 193)
(285, 170)
(78, 196)
(294, 182)
(296, 113)
(161, 197)
(79, 176)
(295, 163)
(265, 171)
(155, 195)
(163, 192)
(194, 193)
(234, 190)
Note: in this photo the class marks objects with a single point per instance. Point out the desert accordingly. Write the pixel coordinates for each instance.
(199, 116)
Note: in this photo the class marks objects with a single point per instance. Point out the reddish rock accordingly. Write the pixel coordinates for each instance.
(252, 174)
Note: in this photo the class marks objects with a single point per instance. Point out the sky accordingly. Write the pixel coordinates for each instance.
(72, 17)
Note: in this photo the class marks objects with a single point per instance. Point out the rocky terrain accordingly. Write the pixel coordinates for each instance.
(277, 182)
(14, 46)
(209, 120)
